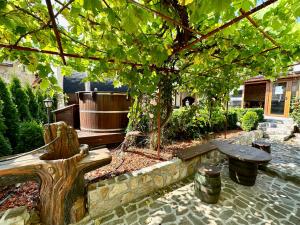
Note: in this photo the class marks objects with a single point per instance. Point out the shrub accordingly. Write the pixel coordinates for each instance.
(241, 112)
(32, 99)
(296, 110)
(186, 123)
(21, 100)
(249, 121)
(5, 148)
(232, 120)
(259, 112)
(30, 136)
(42, 111)
(10, 114)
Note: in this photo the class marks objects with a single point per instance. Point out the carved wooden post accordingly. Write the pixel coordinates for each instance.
(60, 171)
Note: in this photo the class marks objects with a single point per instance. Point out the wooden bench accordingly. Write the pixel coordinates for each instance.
(194, 151)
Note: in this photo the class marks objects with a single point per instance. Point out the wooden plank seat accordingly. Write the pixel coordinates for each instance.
(243, 161)
(194, 151)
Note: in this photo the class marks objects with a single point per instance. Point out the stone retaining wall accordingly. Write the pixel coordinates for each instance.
(106, 195)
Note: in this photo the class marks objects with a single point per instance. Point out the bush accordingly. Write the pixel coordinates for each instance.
(34, 107)
(296, 110)
(241, 112)
(5, 148)
(186, 123)
(21, 100)
(10, 114)
(232, 119)
(30, 136)
(42, 111)
(250, 121)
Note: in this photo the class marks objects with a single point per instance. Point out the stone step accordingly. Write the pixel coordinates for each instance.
(279, 137)
(278, 131)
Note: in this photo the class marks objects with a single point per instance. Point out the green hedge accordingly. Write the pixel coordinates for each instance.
(241, 112)
(192, 122)
(5, 147)
(249, 121)
(30, 136)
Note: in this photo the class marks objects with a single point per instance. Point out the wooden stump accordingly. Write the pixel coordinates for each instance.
(262, 145)
(60, 171)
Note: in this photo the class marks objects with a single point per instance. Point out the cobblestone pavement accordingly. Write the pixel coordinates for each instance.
(285, 161)
(271, 201)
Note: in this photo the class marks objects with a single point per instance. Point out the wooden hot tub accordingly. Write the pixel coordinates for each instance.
(103, 112)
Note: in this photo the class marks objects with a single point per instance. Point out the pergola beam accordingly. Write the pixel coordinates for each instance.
(254, 23)
(71, 55)
(225, 25)
(56, 32)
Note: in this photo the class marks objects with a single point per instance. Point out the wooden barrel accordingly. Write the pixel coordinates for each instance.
(103, 112)
(242, 172)
(262, 145)
(208, 183)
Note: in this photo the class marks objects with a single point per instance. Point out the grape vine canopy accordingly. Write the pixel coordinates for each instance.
(153, 45)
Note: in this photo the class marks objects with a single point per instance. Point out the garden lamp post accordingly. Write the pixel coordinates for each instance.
(48, 103)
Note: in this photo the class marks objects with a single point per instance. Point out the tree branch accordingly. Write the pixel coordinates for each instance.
(167, 18)
(265, 34)
(231, 22)
(54, 26)
(22, 48)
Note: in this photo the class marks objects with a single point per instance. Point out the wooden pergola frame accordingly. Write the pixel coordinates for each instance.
(52, 23)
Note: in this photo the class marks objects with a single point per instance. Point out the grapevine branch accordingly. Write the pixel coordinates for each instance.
(56, 32)
(167, 18)
(22, 48)
(228, 24)
(254, 23)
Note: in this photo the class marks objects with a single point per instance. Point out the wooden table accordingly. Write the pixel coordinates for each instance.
(243, 161)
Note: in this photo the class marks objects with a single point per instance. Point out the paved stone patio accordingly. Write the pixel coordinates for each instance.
(271, 201)
(285, 161)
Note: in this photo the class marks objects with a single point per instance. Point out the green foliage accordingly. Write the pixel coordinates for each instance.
(30, 136)
(33, 103)
(10, 114)
(21, 100)
(232, 120)
(249, 121)
(241, 112)
(296, 110)
(42, 111)
(5, 148)
(186, 123)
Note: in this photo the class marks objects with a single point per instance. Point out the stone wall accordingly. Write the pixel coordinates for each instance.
(106, 195)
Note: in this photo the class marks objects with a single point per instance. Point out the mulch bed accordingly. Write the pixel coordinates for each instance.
(27, 194)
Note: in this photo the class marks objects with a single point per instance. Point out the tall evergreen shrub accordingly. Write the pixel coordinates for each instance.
(42, 111)
(5, 148)
(21, 100)
(33, 103)
(10, 114)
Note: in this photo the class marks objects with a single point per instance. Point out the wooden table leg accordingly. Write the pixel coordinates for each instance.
(242, 172)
